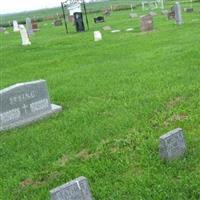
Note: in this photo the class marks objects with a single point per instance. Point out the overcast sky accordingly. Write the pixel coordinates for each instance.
(11, 6)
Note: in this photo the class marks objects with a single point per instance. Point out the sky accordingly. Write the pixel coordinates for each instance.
(12, 6)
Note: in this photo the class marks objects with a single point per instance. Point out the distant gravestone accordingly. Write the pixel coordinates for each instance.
(133, 15)
(99, 19)
(178, 14)
(115, 31)
(146, 23)
(77, 189)
(172, 145)
(24, 35)
(189, 10)
(25, 103)
(29, 26)
(58, 22)
(97, 36)
(35, 26)
(15, 26)
(153, 13)
(2, 29)
(129, 29)
(107, 28)
(164, 12)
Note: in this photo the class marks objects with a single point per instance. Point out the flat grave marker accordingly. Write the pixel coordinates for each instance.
(25, 103)
(172, 145)
(77, 189)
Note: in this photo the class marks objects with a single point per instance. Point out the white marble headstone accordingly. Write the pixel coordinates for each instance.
(15, 26)
(97, 36)
(24, 35)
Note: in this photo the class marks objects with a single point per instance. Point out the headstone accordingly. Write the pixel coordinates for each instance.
(178, 15)
(153, 13)
(2, 29)
(171, 15)
(165, 12)
(107, 28)
(99, 19)
(106, 12)
(35, 26)
(29, 26)
(24, 35)
(77, 189)
(58, 22)
(115, 31)
(189, 10)
(172, 145)
(97, 36)
(146, 23)
(133, 15)
(25, 103)
(129, 29)
(15, 26)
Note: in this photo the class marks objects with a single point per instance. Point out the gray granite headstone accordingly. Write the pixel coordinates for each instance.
(178, 14)
(29, 26)
(25, 103)
(77, 189)
(172, 145)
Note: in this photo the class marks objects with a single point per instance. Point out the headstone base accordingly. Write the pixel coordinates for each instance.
(54, 109)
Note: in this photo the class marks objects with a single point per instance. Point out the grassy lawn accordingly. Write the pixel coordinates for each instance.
(118, 96)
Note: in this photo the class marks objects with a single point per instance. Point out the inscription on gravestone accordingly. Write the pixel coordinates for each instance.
(172, 145)
(77, 189)
(24, 103)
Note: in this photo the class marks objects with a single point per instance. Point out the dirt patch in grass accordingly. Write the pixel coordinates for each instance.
(63, 160)
(174, 102)
(175, 118)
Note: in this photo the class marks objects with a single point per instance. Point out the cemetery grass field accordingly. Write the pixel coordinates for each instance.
(119, 96)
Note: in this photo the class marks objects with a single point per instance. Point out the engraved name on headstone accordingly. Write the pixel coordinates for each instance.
(24, 103)
(172, 145)
(77, 189)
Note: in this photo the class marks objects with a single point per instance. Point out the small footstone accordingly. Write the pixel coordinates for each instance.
(129, 29)
(172, 145)
(115, 31)
(77, 189)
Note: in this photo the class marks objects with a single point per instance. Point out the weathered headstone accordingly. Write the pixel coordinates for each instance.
(115, 31)
(172, 145)
(97, 36)
(99, 19)
(188, 10)
(25, 103)
(146, 23)
(29, 26)
(24, 35)
(58, 22)
(178, 14)
(129, 29)
(133, 15)
(107, 28)
(15, 26)
(35, 26)
(153, 13)
(77, 189)
(2, 29)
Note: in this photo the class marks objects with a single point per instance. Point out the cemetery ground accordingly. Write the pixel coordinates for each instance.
(119, 96)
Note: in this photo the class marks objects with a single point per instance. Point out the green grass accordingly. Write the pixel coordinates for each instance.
(118, 96)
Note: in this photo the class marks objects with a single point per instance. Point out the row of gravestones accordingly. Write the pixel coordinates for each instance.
(27, 31)
(25, 103)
